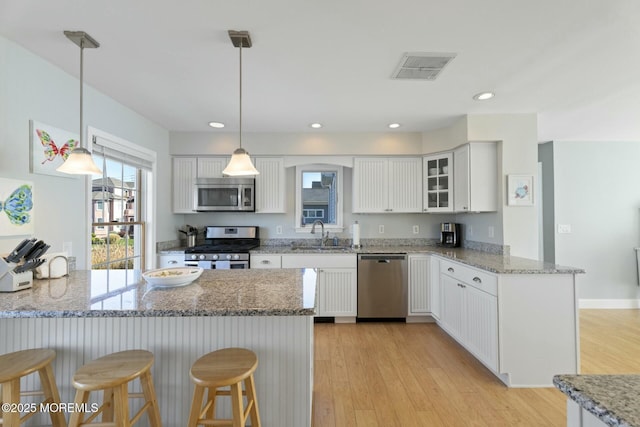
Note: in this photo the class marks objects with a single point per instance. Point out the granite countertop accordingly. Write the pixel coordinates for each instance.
(611, 398)
(500, 264)
(121, 293)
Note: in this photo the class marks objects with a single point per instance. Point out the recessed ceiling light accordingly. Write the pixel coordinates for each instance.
(483, 96)
(394, 125)
(316, 125)
(216, 125)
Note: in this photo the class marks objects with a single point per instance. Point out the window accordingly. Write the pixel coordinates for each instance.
(122, 200)
(318, 196)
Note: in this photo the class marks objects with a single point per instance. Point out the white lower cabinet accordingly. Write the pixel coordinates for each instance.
(419, 281)
(435, 293)
(337, 292)
(170, 260)
(265, 261)
(470, 314)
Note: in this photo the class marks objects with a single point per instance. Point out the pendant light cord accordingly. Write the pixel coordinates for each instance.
(241, 93)
(81, 86)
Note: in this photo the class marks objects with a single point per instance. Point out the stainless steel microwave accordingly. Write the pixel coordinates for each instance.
(224, 195)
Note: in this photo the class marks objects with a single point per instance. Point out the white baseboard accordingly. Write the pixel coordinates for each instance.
(610, 303)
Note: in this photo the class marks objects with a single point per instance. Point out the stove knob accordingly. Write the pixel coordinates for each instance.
(215, 257)
(201, 257)
(236, 256)
(193, 256)
(228, 256)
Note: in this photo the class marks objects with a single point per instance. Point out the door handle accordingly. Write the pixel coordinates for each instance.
(477, 279)
(383, 261)
(450, 270)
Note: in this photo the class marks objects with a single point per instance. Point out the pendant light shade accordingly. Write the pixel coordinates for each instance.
(80, 161)
(240, 163)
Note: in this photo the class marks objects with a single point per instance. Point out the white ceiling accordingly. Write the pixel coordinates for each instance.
(574, 62)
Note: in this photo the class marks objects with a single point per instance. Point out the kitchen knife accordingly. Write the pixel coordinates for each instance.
(12, 256)
(39, 252)
(36, 247)
(26, 248)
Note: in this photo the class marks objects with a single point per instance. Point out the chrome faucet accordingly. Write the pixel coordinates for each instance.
(313, 231)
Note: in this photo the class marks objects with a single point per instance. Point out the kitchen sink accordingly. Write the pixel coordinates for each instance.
(321, 248)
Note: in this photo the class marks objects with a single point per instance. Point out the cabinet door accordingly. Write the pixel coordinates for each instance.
(435, 302)
(337, 292)
(184, 175)
(452, 312)
(270, 185)
(438, 183)
(211, 167)
(170, 260)
(461, 200)
(482, 325)
(370, 186)
(405, 184)
(419, 266)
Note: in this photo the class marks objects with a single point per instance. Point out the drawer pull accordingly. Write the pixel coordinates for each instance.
(477, 279)
(265, 261)
(173, 261)
(450, 270)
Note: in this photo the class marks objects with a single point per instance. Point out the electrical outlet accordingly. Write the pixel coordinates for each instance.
(416, 229)
(491, 231)
(381, 229)
(278, 229)
(564, 228)
(469, 230)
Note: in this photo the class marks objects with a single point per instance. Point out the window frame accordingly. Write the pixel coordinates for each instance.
(320, 167)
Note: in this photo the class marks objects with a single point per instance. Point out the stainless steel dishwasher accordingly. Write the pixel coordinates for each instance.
(382, 285)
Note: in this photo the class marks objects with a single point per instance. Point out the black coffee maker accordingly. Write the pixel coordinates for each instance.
(450, 234)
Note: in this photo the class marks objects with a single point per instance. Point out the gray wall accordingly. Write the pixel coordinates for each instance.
(596, 193)
(32, 88)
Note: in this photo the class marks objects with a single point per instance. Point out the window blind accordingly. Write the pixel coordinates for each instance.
(133, 158)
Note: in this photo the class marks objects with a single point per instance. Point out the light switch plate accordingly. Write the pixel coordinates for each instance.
(381, 229)
(491, 231)
(564, 228)
(278, 229)
(416, 229)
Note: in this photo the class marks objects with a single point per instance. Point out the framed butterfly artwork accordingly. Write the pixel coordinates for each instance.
(16, 207)
(50, 147)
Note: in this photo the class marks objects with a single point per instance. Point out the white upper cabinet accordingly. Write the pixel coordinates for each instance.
(270, 185)
(438, 183)
(184, 175)
(476, 177)
(211, 167)
(387, 184)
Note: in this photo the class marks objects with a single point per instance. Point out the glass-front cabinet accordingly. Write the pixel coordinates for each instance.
(438, 183)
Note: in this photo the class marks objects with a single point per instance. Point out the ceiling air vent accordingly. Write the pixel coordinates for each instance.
(421, 65)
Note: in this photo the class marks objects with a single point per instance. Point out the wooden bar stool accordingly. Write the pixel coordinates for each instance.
(112, 373)
(222, 368)
(14, 366)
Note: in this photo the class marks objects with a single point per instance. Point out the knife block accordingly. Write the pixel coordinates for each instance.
(11, 281)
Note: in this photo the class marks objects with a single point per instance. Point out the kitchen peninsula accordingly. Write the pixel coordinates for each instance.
(92, 313)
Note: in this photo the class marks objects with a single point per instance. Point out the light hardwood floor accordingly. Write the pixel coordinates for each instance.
(404, 375)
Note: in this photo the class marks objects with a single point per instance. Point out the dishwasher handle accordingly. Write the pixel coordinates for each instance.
(381, 258)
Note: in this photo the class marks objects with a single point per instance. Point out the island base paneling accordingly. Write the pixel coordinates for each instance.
(284, 345)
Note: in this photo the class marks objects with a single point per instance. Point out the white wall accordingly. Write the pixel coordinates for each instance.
(31, 88)
(596, 193)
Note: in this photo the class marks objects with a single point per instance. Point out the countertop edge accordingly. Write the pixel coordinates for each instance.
(591, 405)
(15, 314)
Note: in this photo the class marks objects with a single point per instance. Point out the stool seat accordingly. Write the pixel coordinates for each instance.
(228, 367)
(14, 366)
(112, 370)
(224, 367)
(112, 373)
(24, 362)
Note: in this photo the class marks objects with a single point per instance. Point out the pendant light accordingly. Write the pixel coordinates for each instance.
(80, 161)
(240, 163)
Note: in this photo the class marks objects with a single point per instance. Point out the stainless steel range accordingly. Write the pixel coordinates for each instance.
(224, 248)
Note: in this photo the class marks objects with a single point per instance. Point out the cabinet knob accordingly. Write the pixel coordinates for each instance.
(173, 261)
(477, 279)
(450, 270)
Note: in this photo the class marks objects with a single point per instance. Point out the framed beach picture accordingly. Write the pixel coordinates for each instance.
(520, 190)
(50, 147)
(16, 207)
